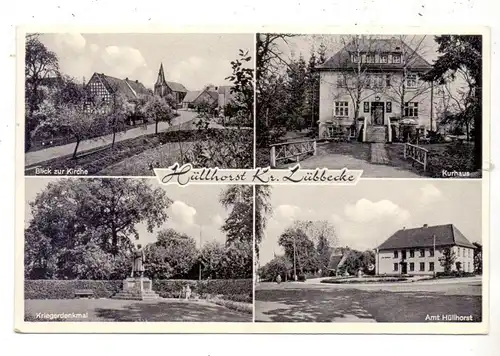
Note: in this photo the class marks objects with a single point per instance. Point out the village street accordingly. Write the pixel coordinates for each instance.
(35, 157)
(381, 302)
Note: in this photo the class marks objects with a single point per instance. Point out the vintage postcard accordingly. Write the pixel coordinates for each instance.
(253, 180)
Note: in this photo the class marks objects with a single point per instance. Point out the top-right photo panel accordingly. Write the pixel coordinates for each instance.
(394, 106)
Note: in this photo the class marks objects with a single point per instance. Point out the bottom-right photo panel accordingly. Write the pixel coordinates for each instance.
(380, 251)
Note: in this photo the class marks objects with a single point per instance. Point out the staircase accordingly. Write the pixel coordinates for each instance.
(376, 134)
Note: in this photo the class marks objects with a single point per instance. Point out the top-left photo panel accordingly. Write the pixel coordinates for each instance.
(123, 104)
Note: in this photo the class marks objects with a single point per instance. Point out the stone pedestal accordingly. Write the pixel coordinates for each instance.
(137, 288)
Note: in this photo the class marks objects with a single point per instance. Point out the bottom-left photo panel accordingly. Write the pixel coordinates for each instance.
(126, 249)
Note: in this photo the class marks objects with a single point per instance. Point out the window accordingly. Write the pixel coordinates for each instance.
(411, 109)
(396, 58)
(431, 266)
(412, 266)
(463, 254)
(387, 80)
(378, 81)
(383, 58)
(355, 58)
(469, 252)
(340, 82)
(388, 107)
(458, 251)
(468, 267)
(403, 254)
(431, 253)
(412, 253)
(396, 265)
(422, 266)
(370, 58)
(396, 254)
(341, 108)
(422, 252)
(366, 106)
(352, 131)
(411, 80)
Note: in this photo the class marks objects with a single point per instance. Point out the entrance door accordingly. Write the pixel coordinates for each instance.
(377, 113)
(404, 268)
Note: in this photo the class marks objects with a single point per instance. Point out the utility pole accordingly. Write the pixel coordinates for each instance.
(434, 247)
(200, 261)
(432, 104)
(294, 260)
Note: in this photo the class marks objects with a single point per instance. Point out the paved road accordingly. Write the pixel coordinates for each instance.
(389, 302)
(64, 150)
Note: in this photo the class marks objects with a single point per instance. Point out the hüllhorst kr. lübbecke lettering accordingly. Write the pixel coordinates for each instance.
(186, 174)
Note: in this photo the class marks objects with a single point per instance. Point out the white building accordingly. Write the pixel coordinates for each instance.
(382, 76)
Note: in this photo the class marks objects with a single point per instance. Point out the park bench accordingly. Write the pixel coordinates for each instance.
(416, 154)
(291, 150)
(84, 293)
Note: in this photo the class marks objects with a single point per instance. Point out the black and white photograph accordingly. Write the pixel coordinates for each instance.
(395, 106)
(131, 250)
(122, 104)
(383, 251)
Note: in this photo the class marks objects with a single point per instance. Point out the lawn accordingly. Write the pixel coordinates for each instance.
(102, 310)
(453, 156)
(316, 305)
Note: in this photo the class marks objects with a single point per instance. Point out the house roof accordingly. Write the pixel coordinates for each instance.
(191, 96)
(446, 235)
(129, 88)
(335, 261)
(342, 59)
(177, 87)
(214, 94)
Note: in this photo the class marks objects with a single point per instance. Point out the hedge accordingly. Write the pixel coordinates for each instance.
(62, 289)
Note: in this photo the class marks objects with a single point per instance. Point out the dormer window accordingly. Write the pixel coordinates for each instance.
(370, 58)
(383, 58)
(411, 80)
(355, 58)
(396, 58)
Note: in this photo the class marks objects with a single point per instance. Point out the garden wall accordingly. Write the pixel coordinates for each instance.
(233, 289)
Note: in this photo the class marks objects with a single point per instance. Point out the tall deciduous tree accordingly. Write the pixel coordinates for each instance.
(463, 53)
(448, 259)
(299, 248)
(238, 226)
(40, 63)
(72, 213)
(478, 258)
(173, 255)
(242, 89)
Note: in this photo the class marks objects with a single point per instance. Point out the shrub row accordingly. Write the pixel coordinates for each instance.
(453, 274)
(61, 289)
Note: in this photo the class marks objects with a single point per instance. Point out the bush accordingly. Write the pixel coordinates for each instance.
(59, 289)
(454, 274)
(226, 287)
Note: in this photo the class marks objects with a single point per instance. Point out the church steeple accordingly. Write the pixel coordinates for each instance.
(161, 76)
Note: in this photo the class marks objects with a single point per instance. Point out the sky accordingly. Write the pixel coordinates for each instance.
(193, 206)
(366, 214)
(193, 60)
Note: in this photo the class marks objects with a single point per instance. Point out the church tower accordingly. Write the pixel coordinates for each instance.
(161, 87)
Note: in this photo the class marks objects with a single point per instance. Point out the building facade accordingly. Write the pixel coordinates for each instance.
(163, 88)
(382, 78)
(419, 251)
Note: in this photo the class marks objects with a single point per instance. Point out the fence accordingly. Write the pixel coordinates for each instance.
(291, 150)
(416, 153)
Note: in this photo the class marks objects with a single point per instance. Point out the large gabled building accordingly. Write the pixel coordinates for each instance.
(385, 71)
(419, 251)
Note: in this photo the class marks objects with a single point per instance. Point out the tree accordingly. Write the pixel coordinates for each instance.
(278, 266)
(40, 63)
(117, 115)
(299, 248)
(238, 226)
(463, 54)
(72, 213)
(213, 259)
(447, 260)
(157, 110)
(317, 229)
(227, 261)
(74, 121)
(478, 258)
(242, 89)
(173, 255)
